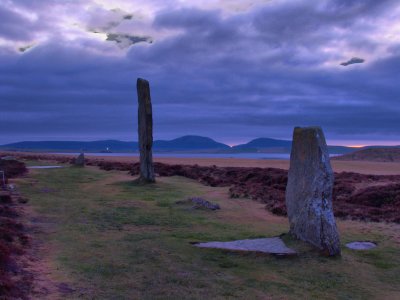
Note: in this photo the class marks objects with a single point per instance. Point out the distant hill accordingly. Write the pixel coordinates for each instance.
(189, 143)
(186, 143)
(340, 149)
(263, 143)
(380, 154)
(268, 145)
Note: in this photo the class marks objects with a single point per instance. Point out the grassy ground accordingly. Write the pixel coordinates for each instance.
(112, 239)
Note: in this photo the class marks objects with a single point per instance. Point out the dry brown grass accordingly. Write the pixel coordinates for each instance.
(363, 167)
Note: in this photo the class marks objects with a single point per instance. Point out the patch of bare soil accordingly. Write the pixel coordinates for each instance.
(39, 260)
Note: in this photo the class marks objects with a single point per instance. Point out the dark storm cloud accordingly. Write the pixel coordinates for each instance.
(108, 23)
(344, 102)
(354, 60)
(257, 73)
(292, 26)
(126, 40)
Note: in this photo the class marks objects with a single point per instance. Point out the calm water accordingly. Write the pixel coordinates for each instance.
(201, 155)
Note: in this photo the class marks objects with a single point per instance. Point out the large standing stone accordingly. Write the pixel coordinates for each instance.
(145, 131)
(309, 191)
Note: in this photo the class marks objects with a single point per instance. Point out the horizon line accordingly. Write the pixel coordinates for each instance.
(335, 142)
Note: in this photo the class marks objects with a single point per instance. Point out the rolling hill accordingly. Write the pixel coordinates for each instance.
(189, 143)
(268, 145)
(379, 154)
(263, 143)
(186, 143)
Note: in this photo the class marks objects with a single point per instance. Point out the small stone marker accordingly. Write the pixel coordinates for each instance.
(264, 245)
(145, 132)
(309, 191)
(80, 160)
(200, 203)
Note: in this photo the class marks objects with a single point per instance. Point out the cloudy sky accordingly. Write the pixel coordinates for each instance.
(232, 70)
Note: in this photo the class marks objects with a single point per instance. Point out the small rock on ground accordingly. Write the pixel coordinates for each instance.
(361, 245)
(200, 203)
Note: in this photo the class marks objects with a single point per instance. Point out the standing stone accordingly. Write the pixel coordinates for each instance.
(309, 191)
(80, 160)
(145, 131)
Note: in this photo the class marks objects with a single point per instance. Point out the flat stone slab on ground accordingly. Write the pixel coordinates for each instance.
(361, 245)
(265, 245)
(44, 167)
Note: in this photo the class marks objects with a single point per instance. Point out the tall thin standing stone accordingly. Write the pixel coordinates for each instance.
(309, 191)
(145, 131)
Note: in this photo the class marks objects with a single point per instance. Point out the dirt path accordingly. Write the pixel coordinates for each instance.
(48, 280)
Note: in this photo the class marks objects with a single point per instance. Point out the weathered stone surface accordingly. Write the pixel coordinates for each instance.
(265, 245)
(80, 160)
(145, 132)
(309, 191)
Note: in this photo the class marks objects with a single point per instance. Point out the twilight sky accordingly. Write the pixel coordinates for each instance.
(232, 70)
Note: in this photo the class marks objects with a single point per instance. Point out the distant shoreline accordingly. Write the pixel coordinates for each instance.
(362, 167)
(273, 156)
(260, 156)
